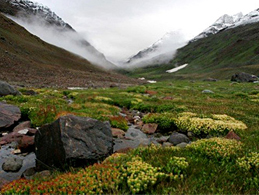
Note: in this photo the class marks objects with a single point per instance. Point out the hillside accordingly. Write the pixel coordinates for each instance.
(219, 56)
(27, 60)
(46, 24)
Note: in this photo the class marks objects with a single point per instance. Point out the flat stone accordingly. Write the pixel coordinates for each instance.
(182, 145)
(22, 126)
(118, 133)
(9, 114)
(232, 135)
(167, 144)
(12, 164)
(177, 138)
(150, 128)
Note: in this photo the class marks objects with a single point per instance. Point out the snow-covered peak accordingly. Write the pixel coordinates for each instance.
(166, 45)
(39, 10)
(226, 22)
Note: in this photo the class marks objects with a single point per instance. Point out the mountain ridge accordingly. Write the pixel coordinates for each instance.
(28, 13)
(226, 22)
(230, 50)
(26, 60)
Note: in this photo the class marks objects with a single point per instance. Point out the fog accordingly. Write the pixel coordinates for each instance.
(66, 39)
(160, 52)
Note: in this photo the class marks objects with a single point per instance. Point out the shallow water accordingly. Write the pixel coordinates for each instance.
(28, 162)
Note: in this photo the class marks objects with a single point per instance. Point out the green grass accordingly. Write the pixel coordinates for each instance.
(208, 166)
(218, 56)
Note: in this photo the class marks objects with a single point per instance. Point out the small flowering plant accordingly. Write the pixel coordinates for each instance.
(249, 166)
(140, 175)
(217, 148)
(216, 124)
(249, 162)
(176, 165)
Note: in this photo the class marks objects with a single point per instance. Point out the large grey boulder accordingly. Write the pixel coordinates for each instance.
(9, 114)
(6, 89)
(72, 140)
(244, 77)
(178, 138)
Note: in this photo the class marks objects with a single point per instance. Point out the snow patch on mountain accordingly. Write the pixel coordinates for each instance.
(226, 22)
(177, 68)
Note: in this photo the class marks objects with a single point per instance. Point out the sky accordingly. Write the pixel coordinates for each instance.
(121, 28)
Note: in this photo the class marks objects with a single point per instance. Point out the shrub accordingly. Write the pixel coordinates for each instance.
(139, 175)
(217, 124)
(137, 89)
(165, 121)
(217, 148)
(249, 162)
(176, 165)
(95, 179)
(119, 122)
(249, 167)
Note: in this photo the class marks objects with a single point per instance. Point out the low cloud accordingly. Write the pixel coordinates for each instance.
(67, 39)
(160, 52)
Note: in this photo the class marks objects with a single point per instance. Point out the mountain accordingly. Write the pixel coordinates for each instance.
(26, 60)
(161, 51)
(228, 46)
(43, 22)
(226, 22)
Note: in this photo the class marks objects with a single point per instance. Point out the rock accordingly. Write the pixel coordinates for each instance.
(3, 182)
(182, 145)
(9, 114)
(42, 174)
(135, 134)
(29, 173)
(26, 144)
(177, 138)
(121, 145)
(232, 135)
(139, 124)
(17, 151)
(29, 92)
(28, 131)
(118, 133)
(23, 132)
(6, 89)
(73, 140)
(32, 131)
(150, 128)
(12, 137)
(151, 92)
(210, 80)
(22, 126)
(207, 91)
(162, 139)
(167, 144)
(190, 134)
(244, 77)
(12, 164)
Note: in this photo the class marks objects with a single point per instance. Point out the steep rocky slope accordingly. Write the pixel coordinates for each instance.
(27, 60)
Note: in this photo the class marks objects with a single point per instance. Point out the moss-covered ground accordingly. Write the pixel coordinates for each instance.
(207, 166)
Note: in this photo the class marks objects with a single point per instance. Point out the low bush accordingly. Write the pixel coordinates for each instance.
(165, 121)
(215, 125)
(217, 148)
(119, 122)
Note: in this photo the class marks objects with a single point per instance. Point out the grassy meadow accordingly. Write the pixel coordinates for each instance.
(211, 164)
